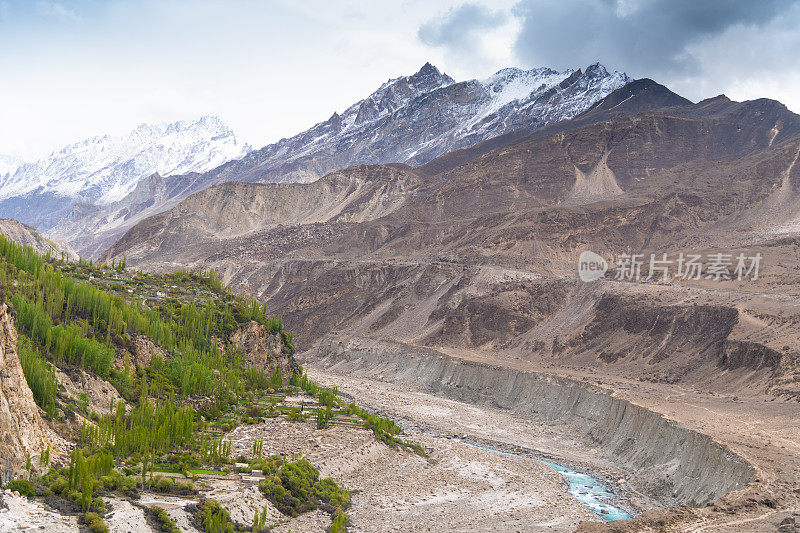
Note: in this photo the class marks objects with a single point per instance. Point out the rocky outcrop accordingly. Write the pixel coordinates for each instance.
(22, 429)
(145, 349)
(263, 348)
(745, 354)
(103, 397)
(666, 461)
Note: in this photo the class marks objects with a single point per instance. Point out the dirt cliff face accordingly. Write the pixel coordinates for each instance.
(263, 348)
(22, 429)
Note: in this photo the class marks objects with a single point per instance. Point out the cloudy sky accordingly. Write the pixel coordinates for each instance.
(70, 69)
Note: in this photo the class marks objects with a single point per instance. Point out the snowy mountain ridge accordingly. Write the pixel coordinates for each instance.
(106, 168)
(9, 164)
(414, 119)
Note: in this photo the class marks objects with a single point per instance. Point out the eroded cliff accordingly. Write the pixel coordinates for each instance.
(22, 429)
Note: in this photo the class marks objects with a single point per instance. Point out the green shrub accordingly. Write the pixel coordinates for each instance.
(166, 523)
(295, 415)
(339, 523)
(323, 418)
(185, 488)
(327, 397)
(95, 523)
(328, 491)
(164, 484)
(22, 486)
(99, 505)
(59, 485)
(215, 518)
(111, 482)
(296, 488)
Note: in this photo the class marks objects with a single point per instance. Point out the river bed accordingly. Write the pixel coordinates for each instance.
(590, 492)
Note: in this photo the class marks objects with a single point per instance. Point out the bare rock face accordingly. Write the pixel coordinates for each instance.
(22, 429)
(263, 348)
(101, 394)
(146, 349)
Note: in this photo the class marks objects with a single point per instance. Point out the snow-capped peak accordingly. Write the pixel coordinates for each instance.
(9, 164)
(413, 119)
(393, 95)
(105, 168)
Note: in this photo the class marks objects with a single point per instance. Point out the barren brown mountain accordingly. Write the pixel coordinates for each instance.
(474, 255)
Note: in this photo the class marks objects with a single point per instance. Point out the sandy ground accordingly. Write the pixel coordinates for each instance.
(20, 514)
(313, 521)
(243, 501)
(182, 520)
(175, 508)
(126, 517)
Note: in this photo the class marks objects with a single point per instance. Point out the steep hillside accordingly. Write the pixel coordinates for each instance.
(23, 429)
(28, 236)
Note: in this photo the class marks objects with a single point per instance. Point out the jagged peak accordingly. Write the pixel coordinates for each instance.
(597, 70)
(431, 76)
(427, 70)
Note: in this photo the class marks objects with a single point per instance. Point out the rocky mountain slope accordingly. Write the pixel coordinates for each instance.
(103, 170)
(23, 429)
(410, 119)
(477, 249)
(28, 236)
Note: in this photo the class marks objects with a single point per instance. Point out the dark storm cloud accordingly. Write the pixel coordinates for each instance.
(639, 36)
(456, 30)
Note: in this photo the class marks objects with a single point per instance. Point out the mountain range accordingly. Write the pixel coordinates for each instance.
(477, 249)
(430, 238)
(410, 119)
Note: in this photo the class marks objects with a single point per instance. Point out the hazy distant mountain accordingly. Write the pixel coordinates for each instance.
(8, 164)
(105, 169)
(28, 236)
